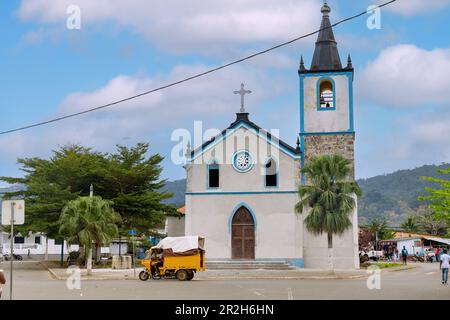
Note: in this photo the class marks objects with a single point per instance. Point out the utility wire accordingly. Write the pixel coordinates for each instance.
(194, 76)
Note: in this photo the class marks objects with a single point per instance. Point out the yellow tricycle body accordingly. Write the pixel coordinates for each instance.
(162, 261)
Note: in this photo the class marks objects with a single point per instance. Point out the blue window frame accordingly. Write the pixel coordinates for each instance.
(326, 94)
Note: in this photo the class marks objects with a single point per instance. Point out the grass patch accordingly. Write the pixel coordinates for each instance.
(381, 265)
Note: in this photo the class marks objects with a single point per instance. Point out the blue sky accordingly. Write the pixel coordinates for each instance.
(124, 47)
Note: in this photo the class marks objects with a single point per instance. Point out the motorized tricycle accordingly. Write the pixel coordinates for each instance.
(174, 257)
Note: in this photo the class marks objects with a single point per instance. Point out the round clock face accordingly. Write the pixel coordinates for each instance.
(243, 161)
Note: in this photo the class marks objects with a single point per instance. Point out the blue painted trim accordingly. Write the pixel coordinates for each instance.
(276, 172)
(329, 73)
(325, 133)
(237, 192)
(302, 146)
(333, 84)
(299, 263)
(236, 208)
(243, 125)
(233, 158)
(350, 97)
(302, 105)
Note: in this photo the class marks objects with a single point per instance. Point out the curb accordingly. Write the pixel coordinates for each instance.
(52, 274)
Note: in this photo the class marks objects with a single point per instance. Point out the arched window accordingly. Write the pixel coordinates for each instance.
(213, 174)
(326, 94)
(271, 173)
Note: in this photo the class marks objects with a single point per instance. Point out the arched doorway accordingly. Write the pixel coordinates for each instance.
(243, 235)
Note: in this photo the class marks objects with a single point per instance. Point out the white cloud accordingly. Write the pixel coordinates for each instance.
(405, 76)
(413, 7)
(183, 27)
(408, 142)
(148, 118)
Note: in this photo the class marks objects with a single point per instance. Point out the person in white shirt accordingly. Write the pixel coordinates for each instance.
(2, 281)
(445, 264)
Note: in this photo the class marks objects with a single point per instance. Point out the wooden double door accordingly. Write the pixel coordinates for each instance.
(243, 235)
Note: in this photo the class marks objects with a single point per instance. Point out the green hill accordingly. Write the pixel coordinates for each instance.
(392, 196)
(178, 188)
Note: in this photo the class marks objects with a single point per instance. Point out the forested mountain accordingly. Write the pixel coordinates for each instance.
(178, 188)
(392, 195)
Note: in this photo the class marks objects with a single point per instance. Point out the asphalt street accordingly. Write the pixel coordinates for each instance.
(33, 281)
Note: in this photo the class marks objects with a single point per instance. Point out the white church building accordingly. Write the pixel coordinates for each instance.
(242, 185)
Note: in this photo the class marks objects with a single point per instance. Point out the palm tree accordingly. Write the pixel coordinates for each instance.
(89, 220)
(380, 228)
(410, 224)
(329, 197)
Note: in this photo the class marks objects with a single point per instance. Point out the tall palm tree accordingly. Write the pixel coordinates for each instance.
(328, 197)
(89, 220)
(410, 224)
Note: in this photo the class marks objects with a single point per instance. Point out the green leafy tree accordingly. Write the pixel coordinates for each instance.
(87, 221)
(431, 223)
(48, 184)
(439, 199)
(328, 196)
(128, 177)
(132, 182)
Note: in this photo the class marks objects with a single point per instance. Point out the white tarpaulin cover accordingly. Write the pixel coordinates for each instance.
(181, 244)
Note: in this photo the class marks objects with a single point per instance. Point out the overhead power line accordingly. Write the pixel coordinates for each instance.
(198, 75)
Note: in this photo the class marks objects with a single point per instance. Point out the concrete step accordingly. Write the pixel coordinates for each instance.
(248, 265)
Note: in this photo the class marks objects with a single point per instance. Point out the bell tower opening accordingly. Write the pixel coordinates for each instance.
(326, 94)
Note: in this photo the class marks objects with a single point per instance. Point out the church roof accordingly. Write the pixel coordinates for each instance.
(326, 55)
(242, 119)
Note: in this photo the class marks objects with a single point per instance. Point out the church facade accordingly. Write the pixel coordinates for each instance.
(242, 185)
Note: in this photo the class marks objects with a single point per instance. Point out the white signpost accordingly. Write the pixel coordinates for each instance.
(13, 212)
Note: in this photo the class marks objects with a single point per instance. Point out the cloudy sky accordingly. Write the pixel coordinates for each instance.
(401, 81)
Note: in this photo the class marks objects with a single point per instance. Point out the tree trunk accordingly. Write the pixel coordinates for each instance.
(46, 248)
(330, 251)
(89, 261)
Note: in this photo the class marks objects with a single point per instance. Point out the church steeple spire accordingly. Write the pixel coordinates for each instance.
(326, 55)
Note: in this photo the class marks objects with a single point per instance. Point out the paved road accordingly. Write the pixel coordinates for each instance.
(32, 281)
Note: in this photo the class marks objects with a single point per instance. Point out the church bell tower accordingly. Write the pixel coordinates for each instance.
(326, 100)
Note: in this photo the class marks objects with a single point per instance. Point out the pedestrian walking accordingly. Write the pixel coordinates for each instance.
(2, 281)
(444, 265)
(404, 255)
(436, 254)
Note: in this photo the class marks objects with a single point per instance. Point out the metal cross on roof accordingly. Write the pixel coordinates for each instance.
(242, 92)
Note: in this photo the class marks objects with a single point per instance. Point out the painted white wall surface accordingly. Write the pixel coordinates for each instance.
(409, 245)
(278, 227)
(253, 180)
(345, 248)
(22, 248)
(175, 226)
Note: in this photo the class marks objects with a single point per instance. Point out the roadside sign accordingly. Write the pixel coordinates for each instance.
(19, 212)
(132, 232)
(104, 250)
